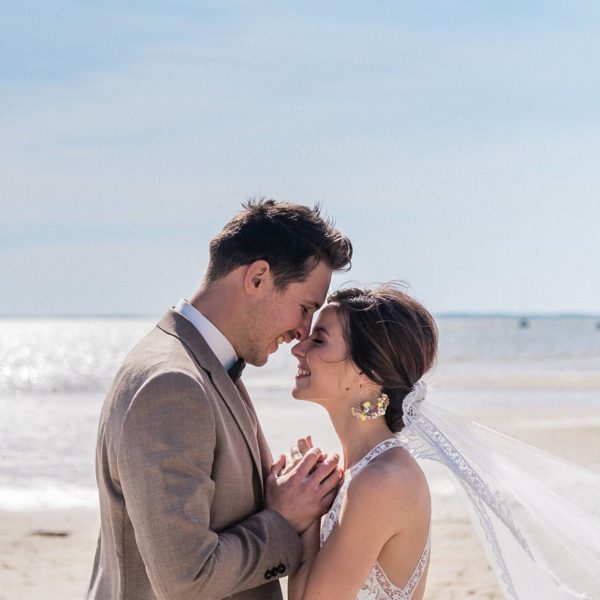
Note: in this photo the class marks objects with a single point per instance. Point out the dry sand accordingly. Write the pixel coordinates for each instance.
(38, 564)
(48, 555)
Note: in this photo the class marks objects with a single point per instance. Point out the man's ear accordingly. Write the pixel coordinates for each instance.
(257, 277)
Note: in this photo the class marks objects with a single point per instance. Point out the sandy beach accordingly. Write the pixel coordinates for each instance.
(48, 555)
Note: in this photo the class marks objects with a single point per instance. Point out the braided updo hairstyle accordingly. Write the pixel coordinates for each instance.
(391, 338)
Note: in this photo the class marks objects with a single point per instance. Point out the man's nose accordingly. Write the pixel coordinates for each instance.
(298, 350)
(303, 330)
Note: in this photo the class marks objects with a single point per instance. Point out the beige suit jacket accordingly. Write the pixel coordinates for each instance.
(180, 463)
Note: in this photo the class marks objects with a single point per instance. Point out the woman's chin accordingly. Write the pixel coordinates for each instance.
(306, 395)
(300, 392)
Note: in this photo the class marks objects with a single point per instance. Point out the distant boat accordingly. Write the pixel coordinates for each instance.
(524, 321)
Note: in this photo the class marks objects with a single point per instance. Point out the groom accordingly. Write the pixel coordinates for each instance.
(188, 507)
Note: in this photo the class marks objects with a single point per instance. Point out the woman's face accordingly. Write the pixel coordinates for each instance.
(325, 371)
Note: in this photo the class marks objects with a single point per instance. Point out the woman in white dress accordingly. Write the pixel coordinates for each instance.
(365, 353)
(537, 516)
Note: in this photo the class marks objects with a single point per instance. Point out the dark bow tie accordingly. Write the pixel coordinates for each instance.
(235, 371)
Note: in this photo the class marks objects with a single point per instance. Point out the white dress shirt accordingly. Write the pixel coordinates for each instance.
(216, 341)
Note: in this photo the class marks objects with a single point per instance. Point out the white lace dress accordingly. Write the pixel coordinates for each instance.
(377, 586)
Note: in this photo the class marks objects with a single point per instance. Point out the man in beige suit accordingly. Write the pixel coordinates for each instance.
(191, 507)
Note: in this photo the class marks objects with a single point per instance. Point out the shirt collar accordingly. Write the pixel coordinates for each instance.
(217, 342)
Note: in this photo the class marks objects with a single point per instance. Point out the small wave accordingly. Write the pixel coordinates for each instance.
(49, 496)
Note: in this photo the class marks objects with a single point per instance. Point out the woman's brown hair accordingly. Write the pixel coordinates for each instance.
(391, 338)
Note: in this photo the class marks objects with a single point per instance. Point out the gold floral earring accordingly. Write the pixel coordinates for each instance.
(371, 410)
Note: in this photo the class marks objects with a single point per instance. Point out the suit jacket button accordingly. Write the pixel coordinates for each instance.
(268, 574)
(274, 571)
(281, 568)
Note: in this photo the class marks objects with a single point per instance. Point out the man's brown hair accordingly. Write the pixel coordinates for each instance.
(285, 235)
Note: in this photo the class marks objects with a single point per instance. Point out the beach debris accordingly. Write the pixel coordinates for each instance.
(49, 533)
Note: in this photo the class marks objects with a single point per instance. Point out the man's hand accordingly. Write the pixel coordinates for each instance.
(304, 492)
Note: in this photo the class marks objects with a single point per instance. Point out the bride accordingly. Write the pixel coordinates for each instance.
(364, 362)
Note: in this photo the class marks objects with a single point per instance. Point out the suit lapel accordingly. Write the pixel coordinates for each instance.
(265, 451)
(243, 414)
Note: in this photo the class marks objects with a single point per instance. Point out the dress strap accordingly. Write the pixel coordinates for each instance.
(393, 592)
(405, 593)
(331, 518)
(392, 442)
(413, 582)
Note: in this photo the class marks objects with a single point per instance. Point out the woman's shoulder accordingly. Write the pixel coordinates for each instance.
(394, 478)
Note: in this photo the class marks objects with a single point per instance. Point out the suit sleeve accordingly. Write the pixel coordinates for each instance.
(164, 458)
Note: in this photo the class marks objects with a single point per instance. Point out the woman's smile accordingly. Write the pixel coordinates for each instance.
(301, 373)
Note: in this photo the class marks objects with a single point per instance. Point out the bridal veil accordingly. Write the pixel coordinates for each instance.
(537, 516)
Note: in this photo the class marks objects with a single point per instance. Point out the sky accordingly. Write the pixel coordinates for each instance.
(456, 143)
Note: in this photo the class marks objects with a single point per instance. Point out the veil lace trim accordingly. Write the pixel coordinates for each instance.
(504, 500)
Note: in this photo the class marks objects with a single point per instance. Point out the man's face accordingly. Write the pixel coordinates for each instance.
(283, 315)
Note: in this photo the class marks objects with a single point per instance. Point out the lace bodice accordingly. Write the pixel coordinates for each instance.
(377, 586)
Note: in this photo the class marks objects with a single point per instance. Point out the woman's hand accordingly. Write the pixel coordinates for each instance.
(303, 445)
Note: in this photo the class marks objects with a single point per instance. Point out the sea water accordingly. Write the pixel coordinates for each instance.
(54, 374)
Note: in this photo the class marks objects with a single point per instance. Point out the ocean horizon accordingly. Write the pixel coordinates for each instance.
(439, 315)
(55, 372)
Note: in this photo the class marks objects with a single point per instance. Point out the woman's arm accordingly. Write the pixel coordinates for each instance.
(310, 538)
(378, 502)
(310, 548)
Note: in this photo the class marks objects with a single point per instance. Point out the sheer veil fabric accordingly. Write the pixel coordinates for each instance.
(536, 515)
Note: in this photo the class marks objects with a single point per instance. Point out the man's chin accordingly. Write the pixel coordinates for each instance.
(258, 361)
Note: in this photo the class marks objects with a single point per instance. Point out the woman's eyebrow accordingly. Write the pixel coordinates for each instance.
(320, 329)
